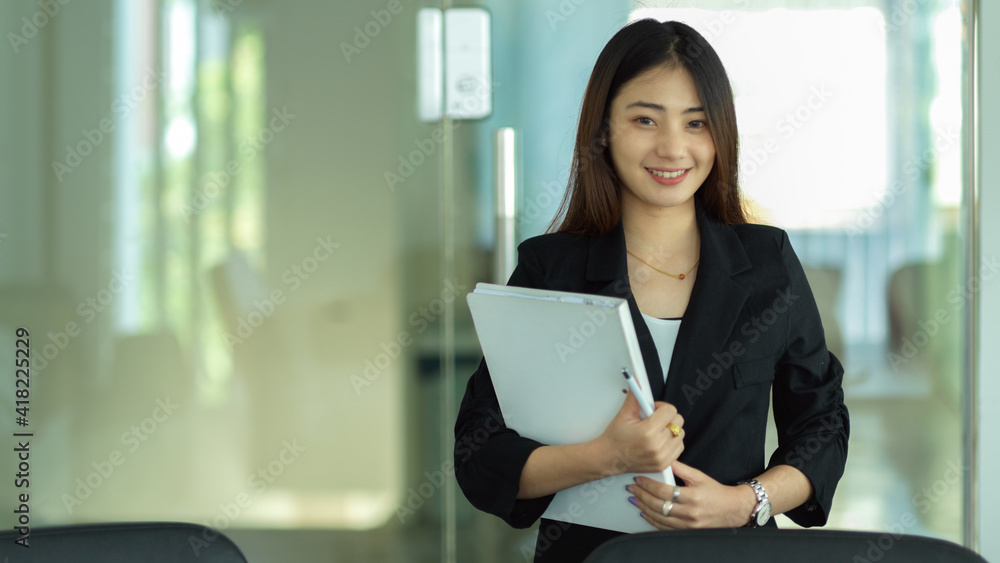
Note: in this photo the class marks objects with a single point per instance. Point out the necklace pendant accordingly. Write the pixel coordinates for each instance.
(680, 277)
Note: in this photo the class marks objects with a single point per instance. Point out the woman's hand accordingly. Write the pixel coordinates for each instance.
(703, 502)
(642, 446)
(627, 445)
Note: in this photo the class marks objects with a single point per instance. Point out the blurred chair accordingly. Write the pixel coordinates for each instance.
(905, 297)
(919, 296)
(767, 545)
(825, 285)
(263, 356)
(133, 542)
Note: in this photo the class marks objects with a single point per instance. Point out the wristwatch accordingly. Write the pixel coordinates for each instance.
(762, 512)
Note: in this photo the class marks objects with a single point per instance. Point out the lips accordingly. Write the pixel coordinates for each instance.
(667, 173)
(669, 177)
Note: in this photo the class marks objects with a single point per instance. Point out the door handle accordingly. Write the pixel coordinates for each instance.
(505, 202)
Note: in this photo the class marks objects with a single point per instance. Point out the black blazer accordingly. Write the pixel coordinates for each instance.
(751, 328)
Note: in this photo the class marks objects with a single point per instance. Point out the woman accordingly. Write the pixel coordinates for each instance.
(722, 310)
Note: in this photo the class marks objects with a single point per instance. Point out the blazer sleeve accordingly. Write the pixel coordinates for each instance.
(808, 402)
(489, 457)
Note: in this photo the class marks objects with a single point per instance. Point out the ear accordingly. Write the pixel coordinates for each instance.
(605, 133)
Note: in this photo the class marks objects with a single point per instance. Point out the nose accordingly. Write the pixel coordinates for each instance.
(671, 144)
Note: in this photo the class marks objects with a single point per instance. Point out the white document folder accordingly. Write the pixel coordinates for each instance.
(556, 362)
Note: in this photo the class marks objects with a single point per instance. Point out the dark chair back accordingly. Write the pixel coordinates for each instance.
(746, 545)
(132, 542)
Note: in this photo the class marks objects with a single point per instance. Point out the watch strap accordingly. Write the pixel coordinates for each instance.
(761, 493)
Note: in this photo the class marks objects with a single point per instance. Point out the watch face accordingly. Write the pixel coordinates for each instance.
(764, 514)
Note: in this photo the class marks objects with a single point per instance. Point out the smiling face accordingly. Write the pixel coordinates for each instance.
(659, 142)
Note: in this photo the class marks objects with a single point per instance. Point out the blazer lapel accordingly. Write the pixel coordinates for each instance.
(607, 268)
(715, 304)
(716, 301)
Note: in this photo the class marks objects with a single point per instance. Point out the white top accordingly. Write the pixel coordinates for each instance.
(664, 332)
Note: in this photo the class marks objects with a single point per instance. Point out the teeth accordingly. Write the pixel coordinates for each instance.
(667, 174)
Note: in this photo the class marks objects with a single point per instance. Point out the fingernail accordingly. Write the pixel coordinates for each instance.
(636, 479)
(632, 500)
(628, 488)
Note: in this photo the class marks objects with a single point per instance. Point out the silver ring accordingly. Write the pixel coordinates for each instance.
(677, 493)
(668, 505)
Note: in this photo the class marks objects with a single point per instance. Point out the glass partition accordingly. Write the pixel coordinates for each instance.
(234, 318)
(241, 255)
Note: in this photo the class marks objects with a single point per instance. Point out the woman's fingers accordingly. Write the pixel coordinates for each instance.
(648, 445)
(655, 504)
(665, 435)
(702, 503)
(688, 474)
(664, 413)
(653, 488)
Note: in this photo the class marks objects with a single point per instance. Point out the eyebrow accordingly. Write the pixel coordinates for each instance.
(658, 107)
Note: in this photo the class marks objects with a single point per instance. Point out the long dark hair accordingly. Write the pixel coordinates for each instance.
(592, 203)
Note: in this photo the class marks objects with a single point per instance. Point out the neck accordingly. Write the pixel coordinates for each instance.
(661, 231)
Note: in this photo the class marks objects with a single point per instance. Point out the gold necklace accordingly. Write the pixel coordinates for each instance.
(680, 277)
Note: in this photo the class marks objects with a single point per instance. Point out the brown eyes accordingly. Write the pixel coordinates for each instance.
(696, 124)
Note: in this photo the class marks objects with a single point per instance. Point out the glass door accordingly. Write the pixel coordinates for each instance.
(220, 224)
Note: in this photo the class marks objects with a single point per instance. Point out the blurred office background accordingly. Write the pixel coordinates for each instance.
(241, 250)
